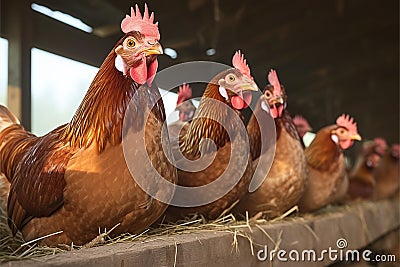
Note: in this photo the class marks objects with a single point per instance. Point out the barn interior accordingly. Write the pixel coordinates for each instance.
(333, 57)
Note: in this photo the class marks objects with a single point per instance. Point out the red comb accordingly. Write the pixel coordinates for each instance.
(347, 122)
(144, 24)
(396, 148)
(185, 92)
(381, 145)
(239, 62)
(274, 81)
(380, 142)
(300, 120)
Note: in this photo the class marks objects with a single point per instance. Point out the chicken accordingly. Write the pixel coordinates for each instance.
(304, 129)
(186, 110)
(362, 181)
(302, 125)
(184, 105)
(387, 175)
(284, 184)
(214, 146)
(75, 178)
(328, 180)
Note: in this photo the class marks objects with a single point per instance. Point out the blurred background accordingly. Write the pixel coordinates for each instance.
(332, 56)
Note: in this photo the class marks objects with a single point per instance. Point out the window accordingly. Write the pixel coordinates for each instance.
(58, 87)
(3, 70)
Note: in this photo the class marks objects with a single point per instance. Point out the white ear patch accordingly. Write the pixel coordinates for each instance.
(308, 138)
(335, 138)
(223, 93)
(119, 64)
(264, 106)
(369, 163)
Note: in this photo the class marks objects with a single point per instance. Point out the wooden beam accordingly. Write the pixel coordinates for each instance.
(59, 38)
(18, 28)
(358, 225)
(25, 29)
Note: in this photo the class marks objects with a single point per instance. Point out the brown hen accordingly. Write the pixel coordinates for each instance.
(75, 180)
(387, 174)
(362, 181)
(328, 181)
(218, 115)
(285, 183)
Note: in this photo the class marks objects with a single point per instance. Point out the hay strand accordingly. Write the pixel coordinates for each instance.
(15, 248)
(40, 238)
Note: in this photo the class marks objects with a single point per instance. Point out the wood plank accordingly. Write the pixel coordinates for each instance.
(359, 224)
(19, 59)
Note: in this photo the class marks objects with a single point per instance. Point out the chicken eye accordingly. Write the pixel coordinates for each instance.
(130, 43)
(268, 94)
(231, 78)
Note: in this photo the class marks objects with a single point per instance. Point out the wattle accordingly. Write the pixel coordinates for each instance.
(241, 101)
(143, 73)
(139, 73)
(276, 112)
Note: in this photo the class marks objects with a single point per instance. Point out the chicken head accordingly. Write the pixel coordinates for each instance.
(274, 98)
(346, 132)
(184, 104)
(236, 84)
(137, 55)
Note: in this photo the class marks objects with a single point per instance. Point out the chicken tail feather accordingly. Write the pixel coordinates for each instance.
(7, 118)
(4, 192)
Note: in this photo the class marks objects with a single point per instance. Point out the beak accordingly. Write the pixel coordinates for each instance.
(356, 137)
(248, 86)
(153, 50)
(277, 100)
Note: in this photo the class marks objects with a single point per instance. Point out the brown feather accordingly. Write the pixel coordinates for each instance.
(323, 151)
(285, 182)
(49, 156)
(202, 127)
(328, 181)
(287, 122)
(387, 176)
(4, 191)
(14, 143)
(361, 178)
(254, 131)
(99, 117)
(6, 118)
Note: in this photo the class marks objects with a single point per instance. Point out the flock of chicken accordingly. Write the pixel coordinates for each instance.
(311, 174)
(74, 180)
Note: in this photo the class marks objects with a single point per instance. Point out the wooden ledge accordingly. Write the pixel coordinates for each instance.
(359, 224)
